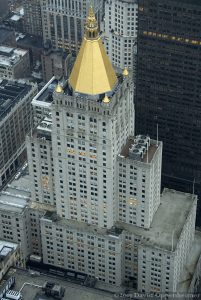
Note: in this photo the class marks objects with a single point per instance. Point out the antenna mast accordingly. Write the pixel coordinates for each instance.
(157, 134)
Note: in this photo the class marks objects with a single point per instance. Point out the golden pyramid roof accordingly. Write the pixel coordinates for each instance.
(92, 73)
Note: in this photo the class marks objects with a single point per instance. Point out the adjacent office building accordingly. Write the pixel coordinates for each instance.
(15, 123)
(168, 87)
(10, 254)
(33, 44)
(32, 17)
(63, 21)
(14, 63)
(55, 63)
(120, 32)
(14, 217)
(20, 217)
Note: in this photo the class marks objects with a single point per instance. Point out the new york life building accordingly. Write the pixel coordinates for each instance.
(97, 187)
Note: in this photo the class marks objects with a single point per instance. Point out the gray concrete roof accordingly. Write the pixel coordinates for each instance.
(166, 226)
(115, 232)
(7, 244)
(72, 290)
(168, 221)
(11, 92)
(16, 195)
(22, 181)
(13, 202)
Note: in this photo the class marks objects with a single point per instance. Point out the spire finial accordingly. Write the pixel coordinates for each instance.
(125, 72)
(91, 27)
(59, 89)
(106, 99)
(91, 11)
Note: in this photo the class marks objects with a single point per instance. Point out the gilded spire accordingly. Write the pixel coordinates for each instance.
(92, 73)
(91, 26)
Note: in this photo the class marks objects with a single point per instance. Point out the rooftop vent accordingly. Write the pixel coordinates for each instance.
(139, 148)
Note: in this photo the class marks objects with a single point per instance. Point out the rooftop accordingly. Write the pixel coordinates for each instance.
(44, 128)
(14, 200)
(28, 41)
(140, 148)
(16, 18)
(21, 180)
(6, 248)
(11, 92)
(10, 56)
(174, 208)
(53, 217)
(42, 206)
(16, 195)
(72, 291)
(16, 191)
(44, 97)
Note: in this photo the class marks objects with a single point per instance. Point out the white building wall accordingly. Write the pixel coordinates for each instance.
(155, 270)
(35, 216)
(89, 252)
(160, 270)
(138, 188)
(86, 139)
(196, 281)
(130, 258)
(148, 269)
(41, 169)
(184, 244)
(14, 227)
(120, 31)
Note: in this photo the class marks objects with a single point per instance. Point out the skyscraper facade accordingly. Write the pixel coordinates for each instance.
(15, 123)
(14, 63)
(32, 17)
(63, 21)
(168, 86)
(107, 216)
(120, 31)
